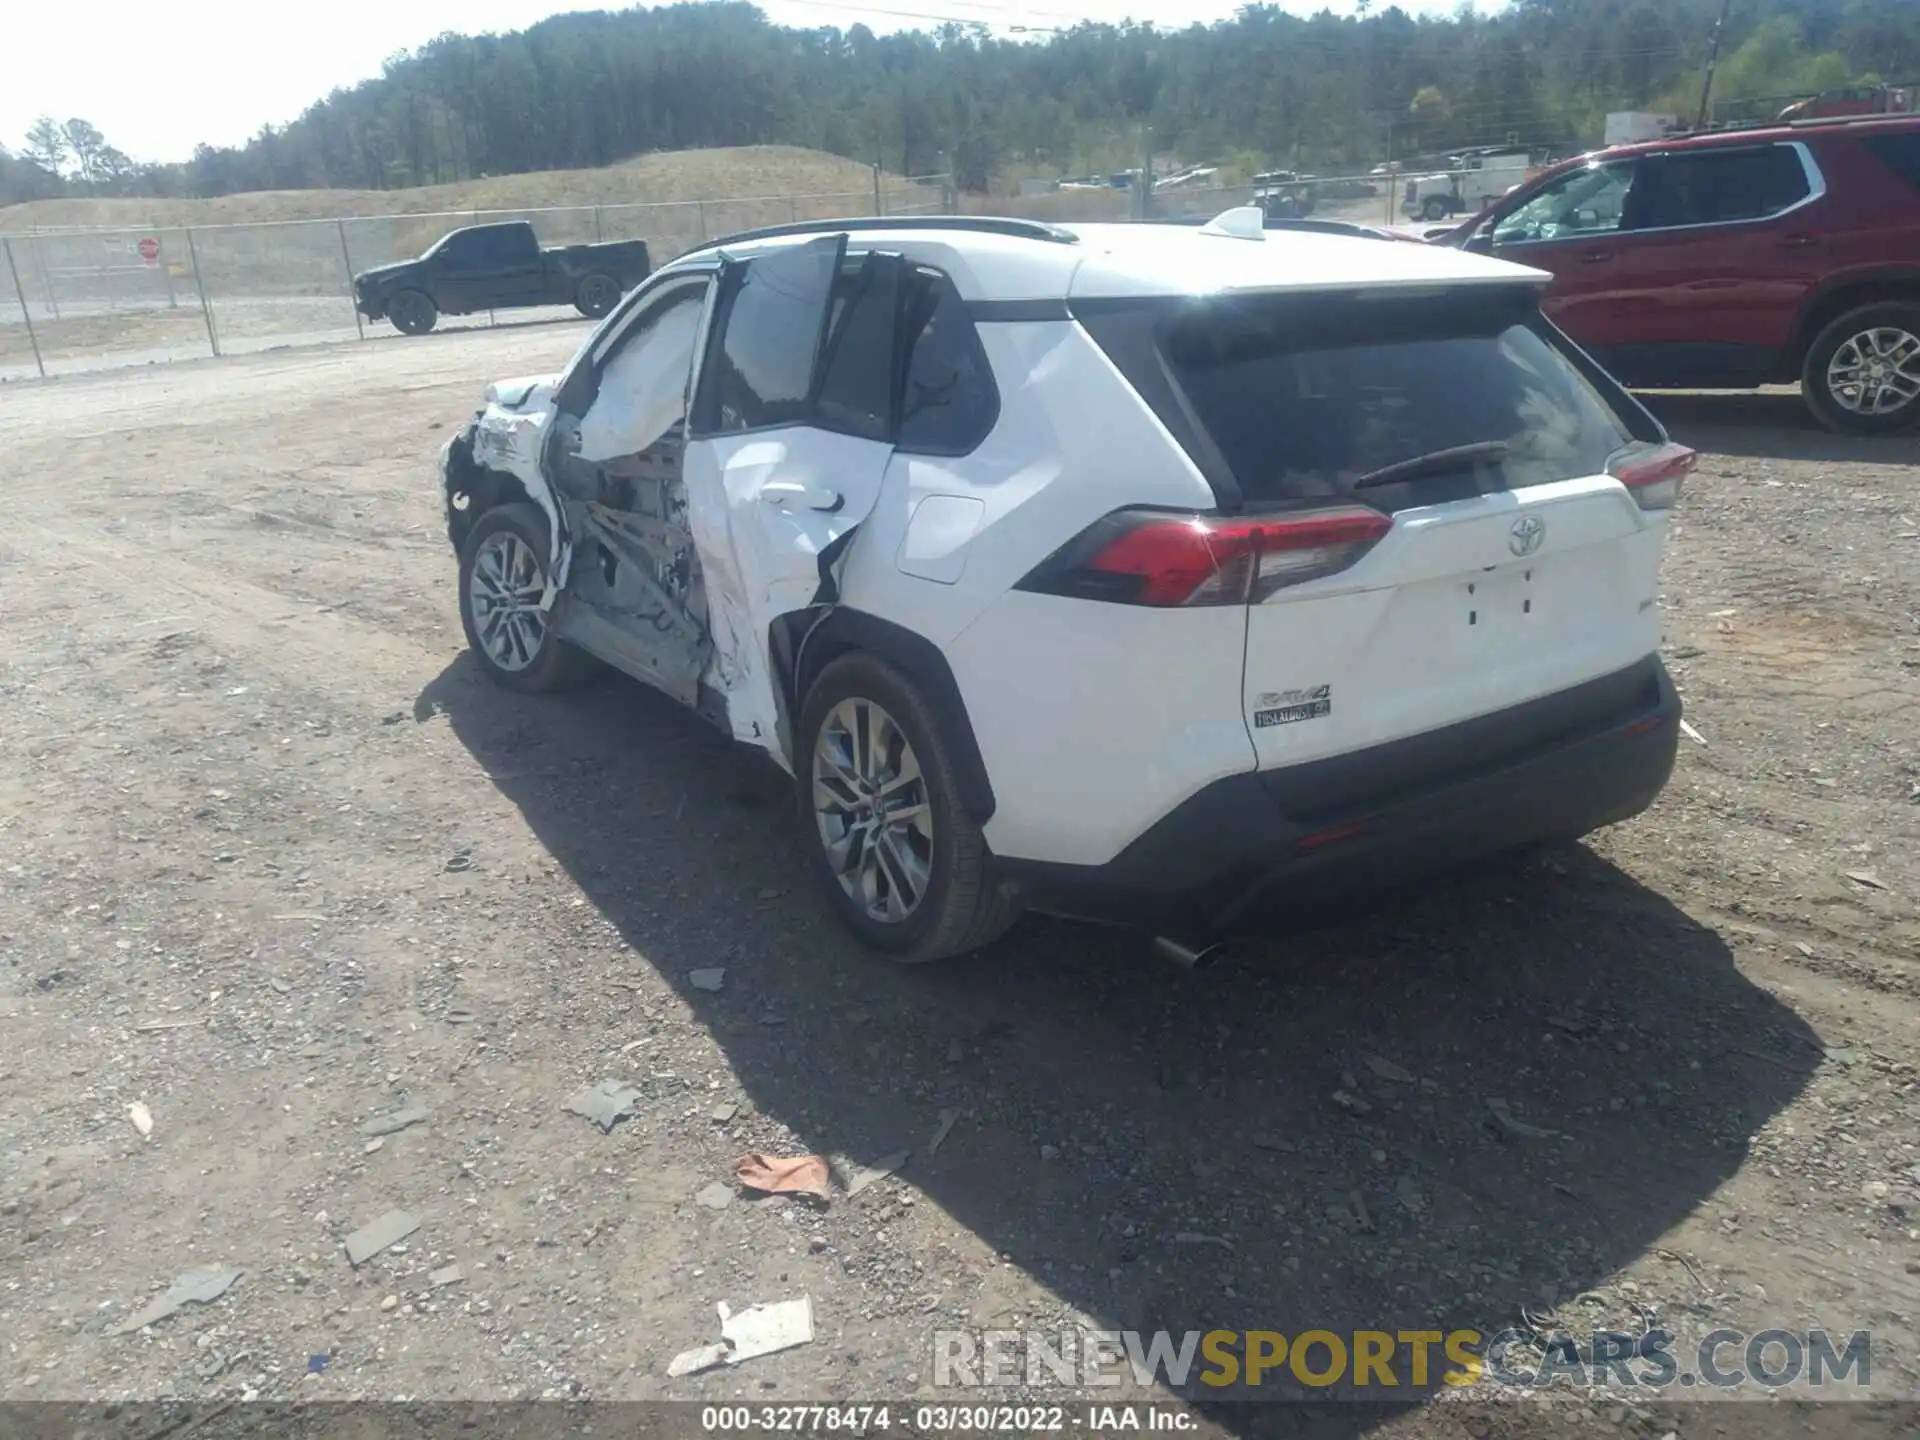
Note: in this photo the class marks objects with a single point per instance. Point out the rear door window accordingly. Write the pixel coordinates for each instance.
(1717, 187)
(1311, 396)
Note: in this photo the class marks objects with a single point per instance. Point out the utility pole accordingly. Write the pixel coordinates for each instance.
(1713, 59)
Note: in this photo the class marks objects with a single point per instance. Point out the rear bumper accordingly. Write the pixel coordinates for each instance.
(1336, 830)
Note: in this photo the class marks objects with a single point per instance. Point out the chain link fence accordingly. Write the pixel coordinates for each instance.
(94, 299)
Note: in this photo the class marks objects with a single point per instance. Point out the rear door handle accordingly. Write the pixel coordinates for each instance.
(1594, 257)
(791, 495)
(1798, 242)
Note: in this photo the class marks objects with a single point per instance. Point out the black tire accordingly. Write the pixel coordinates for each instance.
(1435, 208)
(555, 665)
(413, 312)
(597, 295)
(1829, 403)
(962, 907)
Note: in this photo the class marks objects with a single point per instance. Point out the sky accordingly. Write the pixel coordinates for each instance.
(159, 76)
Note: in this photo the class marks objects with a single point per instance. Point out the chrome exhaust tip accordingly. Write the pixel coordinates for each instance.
(1186, 956)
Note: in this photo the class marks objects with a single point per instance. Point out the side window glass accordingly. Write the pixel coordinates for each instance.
(762, 369)
(1713, 188)
(856, 383)
(948, 400)
(454, 253)
(1587, 202)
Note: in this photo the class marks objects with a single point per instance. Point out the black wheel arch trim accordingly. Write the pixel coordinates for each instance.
(1817, 310)
(805, 642)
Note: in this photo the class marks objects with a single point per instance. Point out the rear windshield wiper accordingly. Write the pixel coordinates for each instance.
(1436, 462)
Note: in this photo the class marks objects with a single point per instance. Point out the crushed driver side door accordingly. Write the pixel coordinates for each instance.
(790, 435)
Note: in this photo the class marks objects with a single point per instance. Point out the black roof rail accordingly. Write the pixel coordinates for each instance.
(975, 224)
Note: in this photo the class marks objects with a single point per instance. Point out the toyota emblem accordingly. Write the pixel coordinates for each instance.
(1527, 533)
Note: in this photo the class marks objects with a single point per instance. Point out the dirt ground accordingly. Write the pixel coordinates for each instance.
(275, 862)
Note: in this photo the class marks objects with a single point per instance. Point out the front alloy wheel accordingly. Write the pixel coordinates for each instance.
(504, 589)
(870, 804)
(503, 575)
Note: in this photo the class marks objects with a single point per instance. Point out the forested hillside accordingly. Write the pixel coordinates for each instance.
(1265, 88)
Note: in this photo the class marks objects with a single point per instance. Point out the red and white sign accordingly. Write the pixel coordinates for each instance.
(150, 250)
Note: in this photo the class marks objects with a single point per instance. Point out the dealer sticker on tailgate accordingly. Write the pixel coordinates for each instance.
(1285, 707)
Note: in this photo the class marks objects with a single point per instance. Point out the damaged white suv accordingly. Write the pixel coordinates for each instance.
(1140, 573)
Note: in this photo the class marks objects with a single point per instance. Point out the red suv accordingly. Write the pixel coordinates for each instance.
(1738, 259)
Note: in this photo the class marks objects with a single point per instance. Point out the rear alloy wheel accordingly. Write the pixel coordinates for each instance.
(596, 296)
(1862, 375)
(1436, 208)
(503, 574)
(413, 312)
(903, 862)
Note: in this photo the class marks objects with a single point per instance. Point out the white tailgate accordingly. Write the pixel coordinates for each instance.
(1442, 621)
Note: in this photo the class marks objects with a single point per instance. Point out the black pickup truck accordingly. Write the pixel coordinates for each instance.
(498, 267)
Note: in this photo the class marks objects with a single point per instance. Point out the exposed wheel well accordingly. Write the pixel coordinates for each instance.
(1831, 305)
(806, 642)
(473, 489)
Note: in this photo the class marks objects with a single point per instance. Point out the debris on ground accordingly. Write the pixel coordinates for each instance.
(369, 1240)
(948, 1118)
(606, 1104)
(398, 1120)
(317, 1363)
(765, 1329)
(692, 1362)
(1692, 734)
(1267, 1140)
(757, 1330)
(390, 1304)
(1501, 1121)
(1387, 1070)
(723, 1114)
(141, 1117)
(1194, 1237)
(709, 980)
(196, 1287)
(1352, 1104)
(1867, 878)
(1408, 1194)
(855, 1177)
(788, 1175)
(447, 1275)
(715, 1196)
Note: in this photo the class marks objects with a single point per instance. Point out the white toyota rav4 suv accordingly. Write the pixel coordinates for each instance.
(1132, 572)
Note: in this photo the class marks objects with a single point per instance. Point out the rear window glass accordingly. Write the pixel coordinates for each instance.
(1304, 396)
(1899, 153)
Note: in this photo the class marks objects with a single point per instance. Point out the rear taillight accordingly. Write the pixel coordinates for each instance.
(1653, 472)
(1145, 557)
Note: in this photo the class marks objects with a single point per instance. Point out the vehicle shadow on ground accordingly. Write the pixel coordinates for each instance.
(1297, 1138)
(1769, 427)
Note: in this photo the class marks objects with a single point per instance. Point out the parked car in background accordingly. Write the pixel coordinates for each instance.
(498, 267)
(1737, 259)
(1342, 577)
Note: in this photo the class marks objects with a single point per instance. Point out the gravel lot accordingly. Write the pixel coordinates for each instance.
(274, 861)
